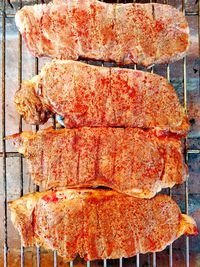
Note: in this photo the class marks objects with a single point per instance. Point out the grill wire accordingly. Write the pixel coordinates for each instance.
(4, 154)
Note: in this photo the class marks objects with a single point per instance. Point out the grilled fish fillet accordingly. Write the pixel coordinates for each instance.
(98, 224)
(132, 161)
(96, 96)
(124, 33)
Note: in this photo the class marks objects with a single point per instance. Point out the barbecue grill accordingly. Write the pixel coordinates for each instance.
(15, 180)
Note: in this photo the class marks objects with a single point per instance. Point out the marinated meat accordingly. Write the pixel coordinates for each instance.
(132, 161)
(98, 224)
(96, 96)
(124, 33)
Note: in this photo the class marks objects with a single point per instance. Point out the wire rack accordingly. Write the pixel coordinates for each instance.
(4, 154)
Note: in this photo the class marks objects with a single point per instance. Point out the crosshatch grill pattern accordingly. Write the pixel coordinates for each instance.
(4, 154)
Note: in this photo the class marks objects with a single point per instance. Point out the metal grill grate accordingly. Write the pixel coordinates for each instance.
(4, 154)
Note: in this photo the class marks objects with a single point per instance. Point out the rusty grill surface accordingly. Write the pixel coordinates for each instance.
(4, 153)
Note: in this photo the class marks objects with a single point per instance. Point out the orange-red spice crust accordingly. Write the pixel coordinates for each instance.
(124, 33)
(132, 161)
(98, 224)
(96, 96)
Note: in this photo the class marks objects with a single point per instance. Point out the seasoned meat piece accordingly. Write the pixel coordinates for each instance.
(98, 224)
(96, 96)
(132, 161)
(124, 33)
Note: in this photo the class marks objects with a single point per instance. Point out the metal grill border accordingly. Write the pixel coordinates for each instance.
(4, 154)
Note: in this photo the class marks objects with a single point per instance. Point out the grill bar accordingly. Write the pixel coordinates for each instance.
(187, 260)
(137, 255)
(138, 260)
(120, 262)
(3, 107)
(170, 189)
(22, 255)
(10, 154)
(187, 14)
(154, 254)
(55, 259)
(38, 257)
(17, 154)
(20, 125)
(21, 157)
(154, 259)
(37, 189)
